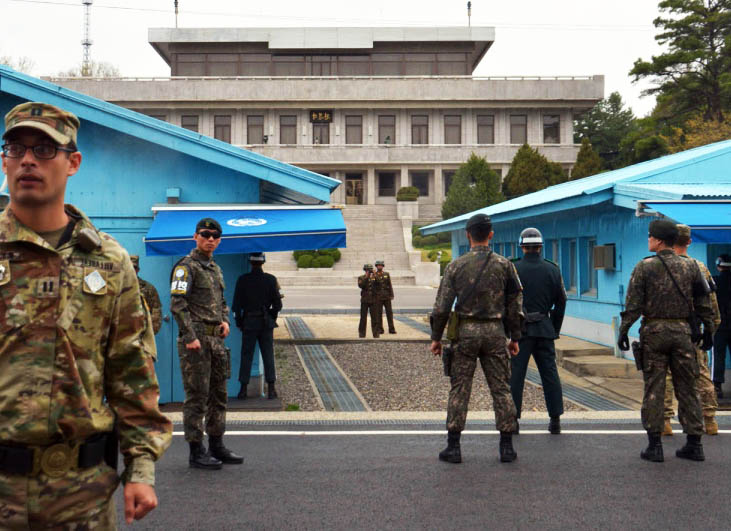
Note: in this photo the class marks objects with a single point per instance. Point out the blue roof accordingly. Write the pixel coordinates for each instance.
(675, 176)
(168, 135)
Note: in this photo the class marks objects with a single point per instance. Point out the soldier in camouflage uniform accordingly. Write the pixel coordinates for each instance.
(489, 304)
(384, 296)
(661, 289)
(197, 302)
(368, 302)
(703, 384)
(76, 355)
(150, 296)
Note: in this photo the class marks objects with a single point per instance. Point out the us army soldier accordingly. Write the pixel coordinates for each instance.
(662, 289)
(384, 296)
(201, 312)
(149, 294)
(76, 351)
(489, 303)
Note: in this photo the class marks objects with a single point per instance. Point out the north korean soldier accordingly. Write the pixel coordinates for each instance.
(384, 294)
(76, 356)
(149, 294)
(368, 301)
(489, 305)
(665, 289)
(196, 294)
(703, 384)
(257, 303)
(722, 338)
(544, 304)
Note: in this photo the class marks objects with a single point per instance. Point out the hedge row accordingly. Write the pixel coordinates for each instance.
(407, 193)
(316, 258)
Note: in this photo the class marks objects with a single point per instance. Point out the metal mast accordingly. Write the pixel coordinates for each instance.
(176, 13)
(87, 42)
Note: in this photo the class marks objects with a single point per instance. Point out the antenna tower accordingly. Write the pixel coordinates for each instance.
(87, 42)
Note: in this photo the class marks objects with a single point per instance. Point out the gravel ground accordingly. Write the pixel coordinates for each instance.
(293, 386)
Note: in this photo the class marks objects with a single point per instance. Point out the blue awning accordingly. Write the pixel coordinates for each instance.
(247, 229)
(710, 221)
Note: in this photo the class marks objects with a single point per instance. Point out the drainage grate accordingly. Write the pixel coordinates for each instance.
(298, 329)
(334, 389)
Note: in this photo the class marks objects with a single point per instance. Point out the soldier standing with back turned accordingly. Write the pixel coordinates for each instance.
(149, 293)
(662, 289)
(489, 303)
(384, 296)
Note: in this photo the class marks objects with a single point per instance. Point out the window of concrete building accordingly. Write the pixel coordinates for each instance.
(518, 128)
(255, 129)
(485, 128)
(222, 127)
(551, 129)
(419, 64)
(256, 64)
(386, 184)
(321, 65)
(452, 129)
(387, 129)
(419, 129)
(354, 189)
(190, 64)
(354, 129)
(387, 64)
(447, 178)
(354, 65)
(321, 133)
(420, 179)
(288, 129)
(589, 275)
(223, 64)
(190, 122)
(288, 65)
(452, 64)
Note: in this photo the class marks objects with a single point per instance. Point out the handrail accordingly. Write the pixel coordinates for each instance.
(321, 78)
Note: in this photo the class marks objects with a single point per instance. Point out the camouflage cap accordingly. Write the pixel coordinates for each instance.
(367, 267)
(135, 260)
(662, 229)
(379, 262)
(683, 234)
(60, 125)
(208, 223)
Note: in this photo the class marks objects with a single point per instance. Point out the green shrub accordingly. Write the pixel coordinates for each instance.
(335, 254)
(417, 241)
(442, 265)
(444, 237)
(430, 240)
(323, 261)
(407, 193)
(415, 230)
(304, 261)
(292, 407)
(432, 255)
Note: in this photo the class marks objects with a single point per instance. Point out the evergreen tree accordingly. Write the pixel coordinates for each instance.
(605, 125)
(588, 161)
(96, 69)
(474, 186)
(530, 171)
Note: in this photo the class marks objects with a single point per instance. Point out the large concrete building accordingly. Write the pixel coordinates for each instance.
(375, 108)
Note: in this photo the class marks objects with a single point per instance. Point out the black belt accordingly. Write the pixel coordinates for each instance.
(54, 460)
(253, 314)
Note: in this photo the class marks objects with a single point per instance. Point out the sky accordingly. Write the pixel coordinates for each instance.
(532, 37)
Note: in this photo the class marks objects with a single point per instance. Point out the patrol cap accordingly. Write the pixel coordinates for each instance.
(60, 125)
(478, 219)
(724, 260)
(208, 223)
(530, 237)
(379, 262)
(257, 257)
(135, 260)
(683, 234)
(662, 229)
(367, 267)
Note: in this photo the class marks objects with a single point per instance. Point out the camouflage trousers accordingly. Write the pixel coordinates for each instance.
(80, 500)
(205, 372)
(703, 386)
(495, 361)
(669, 345)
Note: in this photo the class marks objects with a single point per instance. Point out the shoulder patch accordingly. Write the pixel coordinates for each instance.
(515, 259)
(179, 284)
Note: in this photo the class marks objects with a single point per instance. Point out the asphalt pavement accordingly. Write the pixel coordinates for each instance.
(386, 475)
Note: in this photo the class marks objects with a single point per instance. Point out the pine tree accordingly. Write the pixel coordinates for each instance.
(530, 171)
(474, 186)
(588, 161)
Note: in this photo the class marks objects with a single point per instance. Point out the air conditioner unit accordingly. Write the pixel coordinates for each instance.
(604, 256)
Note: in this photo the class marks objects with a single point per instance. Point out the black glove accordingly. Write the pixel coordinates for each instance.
(623, 342)
(707, 341)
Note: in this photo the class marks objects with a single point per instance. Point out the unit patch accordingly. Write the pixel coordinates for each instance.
(4, 272)
(94, 282)
(179, 285)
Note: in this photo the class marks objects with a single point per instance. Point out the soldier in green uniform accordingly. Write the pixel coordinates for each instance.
(149, 294)
(200, 309)
(368, 302)
(489, 304)
(662, 289)
(703, 384)
(76, 356)
(384, 296)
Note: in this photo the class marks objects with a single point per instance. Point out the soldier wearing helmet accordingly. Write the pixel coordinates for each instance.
(368, 301)
(384, 295)
(722, 338)
(544, 303)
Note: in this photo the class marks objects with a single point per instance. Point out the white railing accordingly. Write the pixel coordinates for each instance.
(320, 78)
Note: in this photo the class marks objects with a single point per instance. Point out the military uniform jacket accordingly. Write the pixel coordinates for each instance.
(543, 293)
(652, 293)
(367, 288)
(496, 298)
(72, 333)
(149, 293)
(712, 283)
(256, 292)
(196, 294)
(384, 289)
(723, 286)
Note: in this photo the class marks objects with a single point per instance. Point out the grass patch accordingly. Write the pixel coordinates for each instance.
(292, 407)
(446, 253)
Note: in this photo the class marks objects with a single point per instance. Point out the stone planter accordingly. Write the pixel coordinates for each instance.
(407, 209)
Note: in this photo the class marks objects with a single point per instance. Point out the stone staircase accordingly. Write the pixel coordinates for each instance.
(591, 360)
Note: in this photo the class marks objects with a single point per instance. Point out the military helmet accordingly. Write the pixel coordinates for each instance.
(379, 262)
(257, 257)
(530, 237)
(367, 267)
(723, 261)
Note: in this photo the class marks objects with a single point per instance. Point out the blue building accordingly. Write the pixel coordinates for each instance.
(147, 182)
(596, 228)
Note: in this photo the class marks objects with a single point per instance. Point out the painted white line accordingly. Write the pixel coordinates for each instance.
(428, 432)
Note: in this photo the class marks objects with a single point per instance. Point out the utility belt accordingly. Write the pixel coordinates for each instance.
(464, 320)
(208, 329)
(253, 314)
(57, 459)
(534, 317)
(667, 319)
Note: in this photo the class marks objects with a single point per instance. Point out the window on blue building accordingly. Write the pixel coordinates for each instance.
(588, 273)
(569, 265)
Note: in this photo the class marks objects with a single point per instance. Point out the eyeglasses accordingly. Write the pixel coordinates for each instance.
(40, 151)
(209, 234)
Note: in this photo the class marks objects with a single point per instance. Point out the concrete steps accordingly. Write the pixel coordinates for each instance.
(591, 360)
(330, 277)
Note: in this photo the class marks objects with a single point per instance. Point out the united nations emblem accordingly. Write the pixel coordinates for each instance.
(246, 222)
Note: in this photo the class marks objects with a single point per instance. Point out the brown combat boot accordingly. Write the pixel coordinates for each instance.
(711, 427)
(667, 429)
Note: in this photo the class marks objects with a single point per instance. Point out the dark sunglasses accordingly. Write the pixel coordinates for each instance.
(209, 234)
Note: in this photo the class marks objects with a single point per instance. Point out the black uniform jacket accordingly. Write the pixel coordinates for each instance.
(543, 293)
(256, 293)
(723, 293)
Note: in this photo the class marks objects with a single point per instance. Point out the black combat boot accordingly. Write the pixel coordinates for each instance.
(554, 425)
(692, 450)
(516, 431)
(271, 391)
(242, 393)
(223, 454)
(719, 390)
(507, 453)
(653, 452)
(199, 458)
(452, 453)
